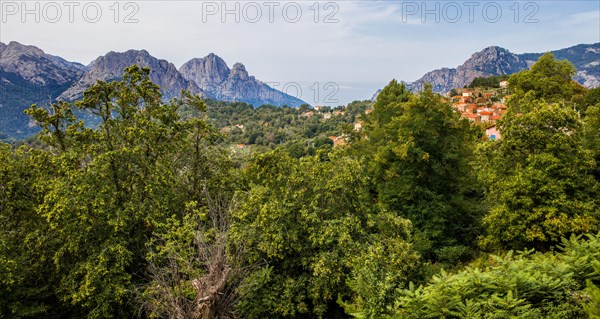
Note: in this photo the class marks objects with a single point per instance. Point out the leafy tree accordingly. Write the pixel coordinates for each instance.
(592, 135)
(490, 82)
(388, 103)
(193, 274)
(592, 97)
(114, 186)
(418, 152)
(541, 183)
(547, 79)
(26, 278)
(312, 226)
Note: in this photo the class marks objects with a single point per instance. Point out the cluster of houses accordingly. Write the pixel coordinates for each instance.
(342, 139)
(481, 108)
(325, 115)
(484, 107)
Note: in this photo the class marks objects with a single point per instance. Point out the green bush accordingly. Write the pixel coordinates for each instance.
(525, 285)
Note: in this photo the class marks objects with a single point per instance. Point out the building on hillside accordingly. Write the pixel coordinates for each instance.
(460, 107)
(368, 111)
(465, 99)
(498, 109)
(504, 84)
(472, 117)
(307, 114)
(338, 140)
(493, 133)
(485, 115)
(471, 108)
(500, 106)
(358, 126)
(327, 115)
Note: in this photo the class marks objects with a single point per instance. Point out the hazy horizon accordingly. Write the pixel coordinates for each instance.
(303, 41)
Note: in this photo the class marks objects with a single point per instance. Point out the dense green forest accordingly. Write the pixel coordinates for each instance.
(302, 130)
(159, 211)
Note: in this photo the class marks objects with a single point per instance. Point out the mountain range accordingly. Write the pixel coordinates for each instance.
(28, 75)
(497, 61)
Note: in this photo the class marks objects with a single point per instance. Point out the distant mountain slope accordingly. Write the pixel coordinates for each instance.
(28, 76)
(585, 57)
(213, 75)
(37, 67)
(110, 67)
(490, 61)
(497, 61)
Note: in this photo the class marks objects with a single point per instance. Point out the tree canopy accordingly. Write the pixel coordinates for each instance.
(126, 205)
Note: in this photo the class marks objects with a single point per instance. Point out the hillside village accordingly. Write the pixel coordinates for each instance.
(482, 105)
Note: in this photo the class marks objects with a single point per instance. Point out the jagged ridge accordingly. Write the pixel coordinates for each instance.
(110, 67)
(28, 76)
(213, 76)
(497, 61)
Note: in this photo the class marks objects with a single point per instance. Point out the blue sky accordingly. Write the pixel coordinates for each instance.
(328, 41)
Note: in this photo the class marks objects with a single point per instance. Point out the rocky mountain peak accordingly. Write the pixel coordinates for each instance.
(493, 61)
(114, 60)
(492, 50)
(15, 47)
(490, 61)
(239, 71)
(207, 72)
(30, 76)
(219, 82)
(496, 60)
(33, 65)
(110, 67)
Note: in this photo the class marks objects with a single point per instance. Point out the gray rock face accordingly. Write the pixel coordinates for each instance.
(492, 60)
(38, 68)
(440, 79)
(489, 62)
(110, 67)
(213, 75)
(207, 72)
(30, 76)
